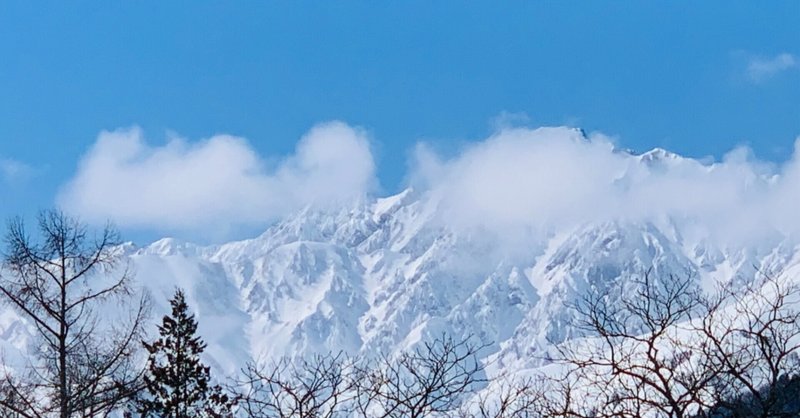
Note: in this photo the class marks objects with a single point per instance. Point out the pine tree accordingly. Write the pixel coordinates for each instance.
(176, 381)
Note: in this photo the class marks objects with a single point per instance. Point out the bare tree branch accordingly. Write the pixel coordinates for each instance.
(84, 365)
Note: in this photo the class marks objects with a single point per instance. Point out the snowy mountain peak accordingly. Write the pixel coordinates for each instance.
(381, 275)
(169, 246)
(659, 156)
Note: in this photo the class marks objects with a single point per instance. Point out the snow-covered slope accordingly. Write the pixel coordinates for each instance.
(380, 275)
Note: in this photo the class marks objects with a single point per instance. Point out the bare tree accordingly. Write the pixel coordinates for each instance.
(8, 396)
(752, 334)
(318, 387)
(63, 282)
(506, 398)
(641, 361)
(432, 380)
(665, 349)
(659, 347)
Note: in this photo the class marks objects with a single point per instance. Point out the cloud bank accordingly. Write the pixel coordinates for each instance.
(215, 183)
(516, 179)
(553, 178)
(760, 69)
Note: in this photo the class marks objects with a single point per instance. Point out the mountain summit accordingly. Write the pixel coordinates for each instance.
(384, 274)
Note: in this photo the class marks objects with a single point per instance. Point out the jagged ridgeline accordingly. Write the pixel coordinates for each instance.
(382, 275)
(386, 275)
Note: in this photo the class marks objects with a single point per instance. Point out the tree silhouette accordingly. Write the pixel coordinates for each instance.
(176, 381)
(73, 287)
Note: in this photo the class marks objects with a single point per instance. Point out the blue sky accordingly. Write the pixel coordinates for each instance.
(698, 78)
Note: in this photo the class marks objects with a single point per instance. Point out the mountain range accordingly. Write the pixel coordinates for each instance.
(383, 274)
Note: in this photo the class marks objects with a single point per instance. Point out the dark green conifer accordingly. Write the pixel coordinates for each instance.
(177, 383)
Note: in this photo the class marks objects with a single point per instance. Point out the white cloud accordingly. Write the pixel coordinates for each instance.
(760, 69)
(214, 184)
(556, 178)
(13, 170)
(517, 179)
(506, 120)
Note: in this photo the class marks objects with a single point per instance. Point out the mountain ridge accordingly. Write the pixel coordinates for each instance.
(383, 274)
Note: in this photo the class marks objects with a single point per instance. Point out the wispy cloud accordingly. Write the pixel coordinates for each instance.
(556, 178)
(760, 69)
(517, 179)
(216, 184)
(13, 171)
(506, 119)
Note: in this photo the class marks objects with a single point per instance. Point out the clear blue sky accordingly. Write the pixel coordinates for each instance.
(695, 77)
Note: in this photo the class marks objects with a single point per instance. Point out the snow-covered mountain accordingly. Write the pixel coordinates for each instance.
(382, 274)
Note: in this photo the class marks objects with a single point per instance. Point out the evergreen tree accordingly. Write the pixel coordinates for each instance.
(176, 381)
